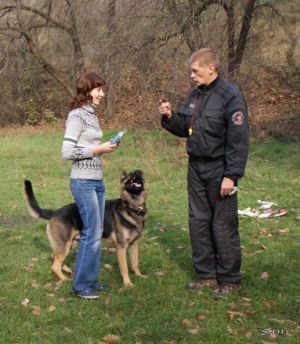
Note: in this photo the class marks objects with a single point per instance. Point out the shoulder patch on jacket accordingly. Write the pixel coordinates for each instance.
(238, 118)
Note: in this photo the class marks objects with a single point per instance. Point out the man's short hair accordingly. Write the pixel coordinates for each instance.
(205, 56)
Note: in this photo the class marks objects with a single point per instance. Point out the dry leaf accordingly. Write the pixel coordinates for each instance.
(233, 314)
(47, 286)
(109, 249)
(110, 338)
(163, 229)
(107, 300)
(28, 268)
(25, 302)
(14, 206)
(58, 285)
(264, 276)
(19, 237)
(284, 230)
(230, 330)
(193, 330)
(269, 304)
(246, 299)
(160, 273)
(51, 309)
(187, 323)
(34, 285)
(248, 334)
(108, 266)
(200, 316)
(36, 310)
(50, 295)
(67, 329)
(61, 300)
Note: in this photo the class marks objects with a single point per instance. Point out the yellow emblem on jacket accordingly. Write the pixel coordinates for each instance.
(190, 131)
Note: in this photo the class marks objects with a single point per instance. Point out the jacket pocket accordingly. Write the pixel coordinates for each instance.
(214, 124)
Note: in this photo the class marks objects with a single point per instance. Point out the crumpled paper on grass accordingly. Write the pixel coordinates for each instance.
(266, 209)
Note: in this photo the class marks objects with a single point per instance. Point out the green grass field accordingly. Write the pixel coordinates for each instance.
(35, 308)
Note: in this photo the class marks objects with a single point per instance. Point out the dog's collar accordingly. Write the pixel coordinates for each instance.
(139, 211)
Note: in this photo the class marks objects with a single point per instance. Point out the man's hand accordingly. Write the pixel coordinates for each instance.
(226, 186)
(165, 108)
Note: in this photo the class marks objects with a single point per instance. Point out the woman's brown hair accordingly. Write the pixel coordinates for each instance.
(84, 85)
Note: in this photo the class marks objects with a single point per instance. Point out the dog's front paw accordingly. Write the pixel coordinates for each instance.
(139, 274)
(128, 284)
(67, 270)
(143, 276)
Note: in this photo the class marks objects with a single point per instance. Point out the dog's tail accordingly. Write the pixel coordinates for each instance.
(34, 209)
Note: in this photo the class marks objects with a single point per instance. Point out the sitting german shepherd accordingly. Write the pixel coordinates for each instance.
(123, 225)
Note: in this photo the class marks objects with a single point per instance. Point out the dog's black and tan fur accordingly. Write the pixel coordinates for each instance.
(123, 225)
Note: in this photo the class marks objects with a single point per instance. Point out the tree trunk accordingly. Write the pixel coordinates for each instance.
(112, 68)
(236, 61)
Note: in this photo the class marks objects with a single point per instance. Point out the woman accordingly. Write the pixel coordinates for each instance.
(81, 145)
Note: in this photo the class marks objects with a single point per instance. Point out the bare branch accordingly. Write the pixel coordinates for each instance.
(47, 67)
(39, 13)
(269, 5)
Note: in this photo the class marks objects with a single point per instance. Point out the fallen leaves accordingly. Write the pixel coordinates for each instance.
(108, 266)
(264, 276)
(36, 310)
(192, 329)
(230, 330)
(284, 230)
(109, 249)
(187, 323)
(51, 309)
(34, 285)
(163, 229)
(110, 338)
(67, 330)
(200, 316)
(107, 300)
(25, 302)
(58, 285)
(234, 314)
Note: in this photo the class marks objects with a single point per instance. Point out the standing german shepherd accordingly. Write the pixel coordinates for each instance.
(123, 224)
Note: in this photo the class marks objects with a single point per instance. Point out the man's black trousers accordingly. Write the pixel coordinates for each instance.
(213, 223)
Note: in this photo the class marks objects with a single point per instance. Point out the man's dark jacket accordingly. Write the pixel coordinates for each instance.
(216, 116)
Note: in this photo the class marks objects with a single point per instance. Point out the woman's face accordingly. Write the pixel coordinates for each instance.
(97, 94)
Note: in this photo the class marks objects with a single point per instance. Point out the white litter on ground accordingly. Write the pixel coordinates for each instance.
(265, 210)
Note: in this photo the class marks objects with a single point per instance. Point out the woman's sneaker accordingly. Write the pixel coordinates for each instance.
(101, 288)
(87, 293)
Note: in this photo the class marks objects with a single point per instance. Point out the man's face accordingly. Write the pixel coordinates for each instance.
(202, 74)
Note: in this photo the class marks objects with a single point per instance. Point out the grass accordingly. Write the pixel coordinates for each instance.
(157, 309)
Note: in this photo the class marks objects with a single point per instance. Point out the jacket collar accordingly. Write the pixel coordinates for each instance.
(207, 88)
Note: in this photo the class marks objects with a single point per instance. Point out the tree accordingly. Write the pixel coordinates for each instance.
(189, 18)
(28, 22)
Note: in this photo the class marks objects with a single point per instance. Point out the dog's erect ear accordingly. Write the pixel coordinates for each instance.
(124, 175)
(140, 172)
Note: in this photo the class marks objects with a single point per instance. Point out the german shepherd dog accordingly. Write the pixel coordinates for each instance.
(123, 225)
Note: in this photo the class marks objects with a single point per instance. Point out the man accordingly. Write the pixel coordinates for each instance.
(214, 120)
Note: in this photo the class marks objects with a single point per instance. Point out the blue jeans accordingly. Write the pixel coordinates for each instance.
(89, 196)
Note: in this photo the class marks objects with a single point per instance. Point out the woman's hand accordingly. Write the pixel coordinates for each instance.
(106, 147)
